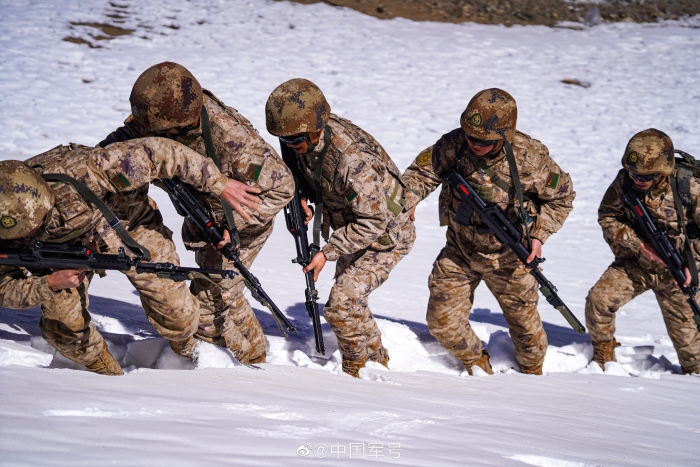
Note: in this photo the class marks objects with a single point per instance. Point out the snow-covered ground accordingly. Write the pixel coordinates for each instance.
(406, 83)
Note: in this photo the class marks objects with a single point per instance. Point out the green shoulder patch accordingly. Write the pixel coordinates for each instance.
(425, 157)
(552, 180)
(120, 181)
(350, 194)
(253, 172)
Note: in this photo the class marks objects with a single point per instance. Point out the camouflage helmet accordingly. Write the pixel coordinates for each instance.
(490, 115)
(649, 152)
(296, 106)
(165, 96)
(25, 198)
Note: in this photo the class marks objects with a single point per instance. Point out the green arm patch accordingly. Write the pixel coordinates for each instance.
(120, 181)
(425, 157)
(253, 172)
(350, 194)
(552, 180)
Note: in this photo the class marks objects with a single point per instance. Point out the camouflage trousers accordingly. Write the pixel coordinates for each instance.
(226, 318)
(623, 281)
(347, 310)
(169, 305)
(456, 274)
(66, 324)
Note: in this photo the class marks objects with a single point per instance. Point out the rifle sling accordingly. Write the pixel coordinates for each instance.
(112, 219)
(211, 153)
(318, 174)
(681, 226)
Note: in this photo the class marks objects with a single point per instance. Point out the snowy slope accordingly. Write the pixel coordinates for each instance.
(406, 83)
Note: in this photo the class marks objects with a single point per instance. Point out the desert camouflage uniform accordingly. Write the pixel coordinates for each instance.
(169, 305)
(227, 318)
(470, 257)
(632, 274)
(360, 182)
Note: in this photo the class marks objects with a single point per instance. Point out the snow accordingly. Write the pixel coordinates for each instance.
(406, 83)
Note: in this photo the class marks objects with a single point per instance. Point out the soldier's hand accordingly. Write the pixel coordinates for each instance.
(66, 279)
(226, 239)
(307, 211)
(649, 253)
(413, 213)
(536, 250)
(688, 279)
(238, 194)
(316, 264)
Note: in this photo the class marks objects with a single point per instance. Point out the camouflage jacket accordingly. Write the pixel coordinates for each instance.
(362, 191)
(548, 190)
(244, 156)
(122, 167)
(618, 221)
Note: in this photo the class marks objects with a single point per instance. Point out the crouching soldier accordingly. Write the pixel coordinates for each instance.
(490, 154)
(671, 199)
(65, 211)
(358, 192)
(168, 101)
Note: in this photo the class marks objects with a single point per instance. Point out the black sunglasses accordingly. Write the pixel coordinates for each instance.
(642, 178)
(294, 139)
(181, 130)
(481, 142)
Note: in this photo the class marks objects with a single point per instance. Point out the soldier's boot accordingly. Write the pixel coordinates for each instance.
(482, 362)
(604, 352)
(381, 357)
(353, 367)
(259, 359)
(690, 371)
(185, 348)
(532, 370)
(106, 364)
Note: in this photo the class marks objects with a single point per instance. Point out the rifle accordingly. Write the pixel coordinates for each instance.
(661, 243)
(187, 206)
(508, 234)
(294, 216)
(42, 258)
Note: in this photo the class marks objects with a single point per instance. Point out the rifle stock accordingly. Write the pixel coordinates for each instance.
(509, 235)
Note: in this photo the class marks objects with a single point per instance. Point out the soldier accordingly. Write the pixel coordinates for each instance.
(32, 210)
(649, 169)
(489, 152)
(168, 101)
(359, 194)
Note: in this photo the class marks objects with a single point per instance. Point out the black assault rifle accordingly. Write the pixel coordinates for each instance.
(508, 234)
(664, 249)
(42, 258)
(295, 217)
(187, 206)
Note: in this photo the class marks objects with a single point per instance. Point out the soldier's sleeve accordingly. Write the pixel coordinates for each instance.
(421, 177)
(126, 166)
(363, 188)
(20, 292)
(246, 157)
(555, 192)
(617, 227)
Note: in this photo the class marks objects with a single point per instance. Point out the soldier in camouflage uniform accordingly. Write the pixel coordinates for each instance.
(359, 194)
(168, 101)
(478, 150)
(649, 168)
(33, 210)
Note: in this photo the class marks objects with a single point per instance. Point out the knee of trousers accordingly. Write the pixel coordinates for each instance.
(174, 319)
